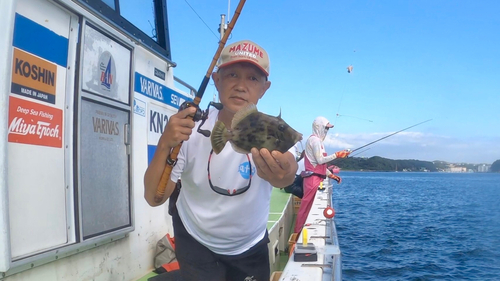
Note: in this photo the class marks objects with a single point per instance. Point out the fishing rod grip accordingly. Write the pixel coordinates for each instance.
(165, 176)
(171, 160)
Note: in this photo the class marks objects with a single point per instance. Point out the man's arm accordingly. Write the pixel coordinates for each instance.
(153, 175)
(318, 153)
(178, 129)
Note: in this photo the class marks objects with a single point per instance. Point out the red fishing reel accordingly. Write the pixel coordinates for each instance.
(329, 212)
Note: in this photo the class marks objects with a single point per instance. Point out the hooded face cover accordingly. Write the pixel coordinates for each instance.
(319, 127)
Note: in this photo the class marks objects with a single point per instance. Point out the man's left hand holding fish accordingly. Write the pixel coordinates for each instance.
(275, 167)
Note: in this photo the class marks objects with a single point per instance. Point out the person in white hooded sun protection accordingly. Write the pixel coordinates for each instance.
(315, 161)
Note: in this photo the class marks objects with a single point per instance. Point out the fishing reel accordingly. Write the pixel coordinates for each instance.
(201, 114)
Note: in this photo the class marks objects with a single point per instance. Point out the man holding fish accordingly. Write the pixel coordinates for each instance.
(315, 161)
(222, 209)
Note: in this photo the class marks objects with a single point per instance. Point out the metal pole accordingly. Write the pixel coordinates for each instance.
(222, 26)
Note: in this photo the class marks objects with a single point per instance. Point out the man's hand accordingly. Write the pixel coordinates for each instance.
(277, 168)
(342, 153)
(335, 178)
(178, 128)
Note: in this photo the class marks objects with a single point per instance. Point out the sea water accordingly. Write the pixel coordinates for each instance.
(418, 226)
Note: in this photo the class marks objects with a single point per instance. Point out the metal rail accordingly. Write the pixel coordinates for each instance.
(192, 90)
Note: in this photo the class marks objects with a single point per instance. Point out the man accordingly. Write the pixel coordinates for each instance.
(315, 162)
(220, 226)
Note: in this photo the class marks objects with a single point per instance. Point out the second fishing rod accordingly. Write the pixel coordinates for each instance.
(382, 138)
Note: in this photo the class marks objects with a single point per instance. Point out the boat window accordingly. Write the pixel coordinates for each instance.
(110, 3)
(141, 14)
(145, 20)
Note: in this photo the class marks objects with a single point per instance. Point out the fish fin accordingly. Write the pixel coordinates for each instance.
(218, 137)
(244, 112)
(299, 137)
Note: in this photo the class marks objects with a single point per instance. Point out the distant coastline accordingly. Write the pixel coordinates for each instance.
(380, 164)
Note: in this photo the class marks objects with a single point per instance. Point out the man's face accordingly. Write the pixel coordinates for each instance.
(240, 84)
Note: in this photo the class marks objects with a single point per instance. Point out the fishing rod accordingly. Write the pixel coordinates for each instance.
(199, 115)
(358, 153)
(390, 135)
(336, 160)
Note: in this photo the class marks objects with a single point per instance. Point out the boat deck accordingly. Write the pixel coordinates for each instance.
(322, 234)
(279, 201)
(322, 237)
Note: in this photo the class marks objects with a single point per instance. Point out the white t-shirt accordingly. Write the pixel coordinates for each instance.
(227, 225)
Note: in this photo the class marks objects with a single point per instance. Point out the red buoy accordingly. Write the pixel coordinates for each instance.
(329, 212)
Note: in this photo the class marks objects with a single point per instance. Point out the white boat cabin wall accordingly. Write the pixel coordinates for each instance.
(86, 93)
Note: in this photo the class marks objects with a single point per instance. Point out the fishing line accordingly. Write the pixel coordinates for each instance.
(202, 19)
(340, 103)
(340, 115)
(343, 89)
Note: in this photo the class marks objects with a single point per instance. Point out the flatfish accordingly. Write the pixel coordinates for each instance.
(251, 128)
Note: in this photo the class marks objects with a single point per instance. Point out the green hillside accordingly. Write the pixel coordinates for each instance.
(377, 163)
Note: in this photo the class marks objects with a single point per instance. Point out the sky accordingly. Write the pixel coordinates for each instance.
(412, 61)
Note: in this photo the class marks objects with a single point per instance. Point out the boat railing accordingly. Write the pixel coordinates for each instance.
(323, 234)
(333, 240)
(192, 91)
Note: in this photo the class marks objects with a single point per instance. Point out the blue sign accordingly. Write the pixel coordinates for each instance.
(32, 38)
(157, 91)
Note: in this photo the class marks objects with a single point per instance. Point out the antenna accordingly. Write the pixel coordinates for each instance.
(222, 26)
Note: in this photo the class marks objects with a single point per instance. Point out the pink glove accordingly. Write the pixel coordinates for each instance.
(342, 153)
(335, 178)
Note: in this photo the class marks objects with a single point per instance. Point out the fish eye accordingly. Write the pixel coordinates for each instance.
(281, 127)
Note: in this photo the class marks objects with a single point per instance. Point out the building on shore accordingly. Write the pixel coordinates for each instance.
(483, 168)
(456, 170)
